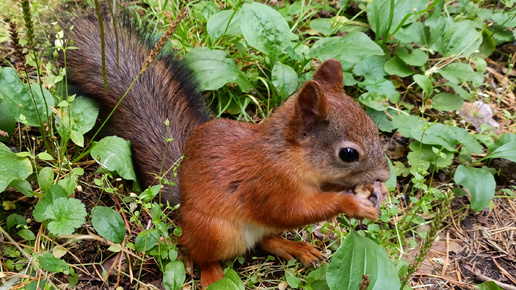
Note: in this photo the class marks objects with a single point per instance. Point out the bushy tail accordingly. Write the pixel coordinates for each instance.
(164, 91)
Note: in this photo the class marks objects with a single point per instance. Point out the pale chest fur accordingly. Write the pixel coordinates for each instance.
(253, 233)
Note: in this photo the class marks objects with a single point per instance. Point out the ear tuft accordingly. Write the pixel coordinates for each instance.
(312, 105)
(329, 75)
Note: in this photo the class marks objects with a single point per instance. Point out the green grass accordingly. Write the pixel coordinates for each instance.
(412, 66)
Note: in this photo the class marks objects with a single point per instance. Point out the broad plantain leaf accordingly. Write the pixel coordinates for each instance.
(114, 154)
(381, 20)
(395, 66)
(417, 57)
(507, 151)
(447, 102)
(264, 29)
(358, 256)
(284, 79)
(218, 24)
(454, 38)
(12, 167)
(351, 48)
(480, 183)
(108, 223)
(20, 98)
(84, 112)
(507, 141)
(212, 68)
(461, 72)
(231, 281)
(174, 275)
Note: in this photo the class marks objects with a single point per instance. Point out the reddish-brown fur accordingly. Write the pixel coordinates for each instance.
(240, 183)
(263, 178)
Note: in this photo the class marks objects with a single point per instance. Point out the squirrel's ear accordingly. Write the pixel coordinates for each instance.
(329, 75)
(312, 105)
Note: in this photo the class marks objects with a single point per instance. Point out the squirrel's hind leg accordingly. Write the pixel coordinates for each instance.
(286, 249)
(211, 273)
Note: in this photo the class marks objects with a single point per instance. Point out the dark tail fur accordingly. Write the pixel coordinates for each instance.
(164, 91)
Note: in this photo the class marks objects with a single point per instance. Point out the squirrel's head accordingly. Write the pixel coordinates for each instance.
(333, 135)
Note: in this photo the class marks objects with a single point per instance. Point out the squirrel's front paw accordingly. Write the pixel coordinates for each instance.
(365, 209)
(375, 192)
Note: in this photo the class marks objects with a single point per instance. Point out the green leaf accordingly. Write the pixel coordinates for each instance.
(425, 83)
(374, 101)
(14, 220)
(507, 151)
(370, 68)
(395, 66)
(80, 119)
(52, 264)
(219, 24)
(422, 156)
(45, 178)
(108, 223)
(84, 111)
(446, 102)
(19, 99)
(316, 279)
(468, 140)
(480, 183)
(454, 38)
(504, 139)
(322, 25)
(284, 79)
(358, 256)
(352, 48)
(7, 122)
(488, 45)
(292, 280)
(27, 234)
(424, 132)
(382, 86)
(59, 251)
(146, 240)
(68, 183)
(413, 33)
(53, 193)
(211, 68)
(12, 167)
(417, 58)
(231, 281)
(45, 156)
(381, 119)
(77, 138)
(174, 275)
(204, 9)
(22, 186)
(149, 193)
(37, 285)
(264, 29)
(381, 20)
(488, 285)
(66, 214)
(461, 72)
(114, 154)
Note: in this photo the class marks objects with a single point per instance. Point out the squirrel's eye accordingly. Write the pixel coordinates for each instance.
(348, 154)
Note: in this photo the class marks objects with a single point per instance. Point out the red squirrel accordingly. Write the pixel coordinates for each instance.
(239, 183)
